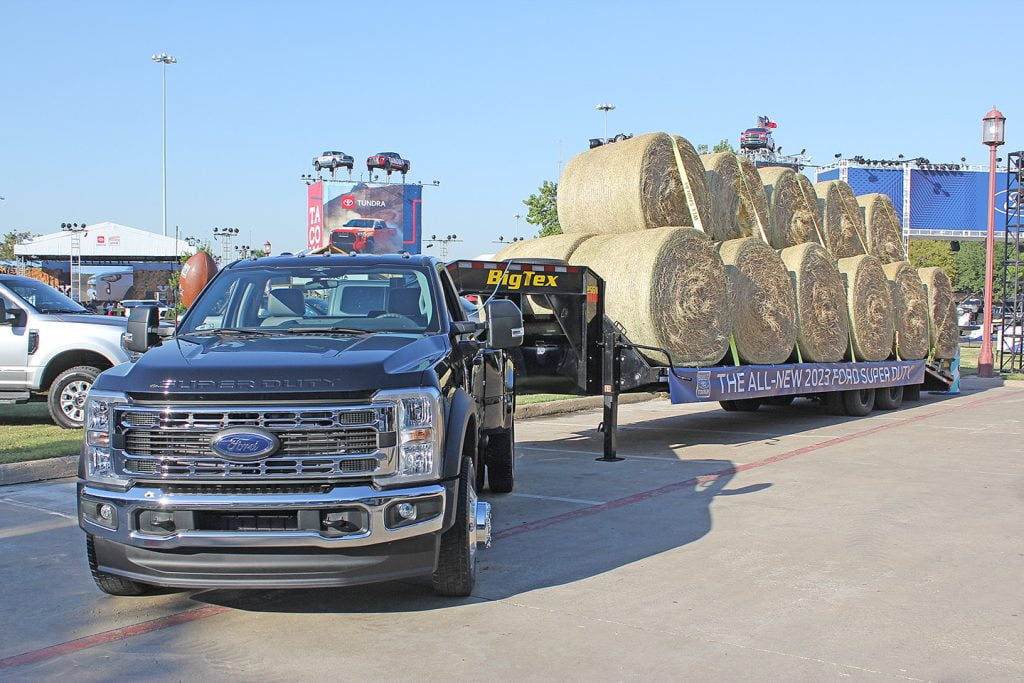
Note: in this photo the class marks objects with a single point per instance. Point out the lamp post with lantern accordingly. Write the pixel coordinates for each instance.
(993, 135)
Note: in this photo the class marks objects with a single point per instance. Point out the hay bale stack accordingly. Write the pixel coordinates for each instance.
(944, 333)
(882, 232)
(869, 306)
(667, 288)
(793, 212)
(822, 332)
(553, 246)
(910, 308)
(738, 203)
(842, 226)
(633, 185)
(762, 300)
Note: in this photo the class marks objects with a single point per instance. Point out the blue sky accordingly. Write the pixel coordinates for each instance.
(485, 97)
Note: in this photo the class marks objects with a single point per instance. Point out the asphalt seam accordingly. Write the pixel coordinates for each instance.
(87, 642)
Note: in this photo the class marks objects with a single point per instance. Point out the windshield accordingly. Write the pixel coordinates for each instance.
(43, 297)
(359, 223)
(349, 299)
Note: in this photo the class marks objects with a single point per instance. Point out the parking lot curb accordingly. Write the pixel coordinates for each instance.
(38, 470)
(573, 405)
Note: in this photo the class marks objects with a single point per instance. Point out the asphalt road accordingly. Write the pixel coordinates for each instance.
(782, 545)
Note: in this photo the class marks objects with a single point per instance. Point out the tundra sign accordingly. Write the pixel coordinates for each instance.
(370, 217)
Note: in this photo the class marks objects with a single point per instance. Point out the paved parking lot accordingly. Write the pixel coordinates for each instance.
(785, 544)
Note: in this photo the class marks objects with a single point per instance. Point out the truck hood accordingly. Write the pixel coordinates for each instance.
(85, 319)
(255, 367)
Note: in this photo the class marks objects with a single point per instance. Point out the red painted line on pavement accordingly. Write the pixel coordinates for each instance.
(110, 636)
(693, 481)
(124, 632)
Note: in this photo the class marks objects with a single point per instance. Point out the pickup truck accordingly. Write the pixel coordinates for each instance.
(264, 443)
(52, 347)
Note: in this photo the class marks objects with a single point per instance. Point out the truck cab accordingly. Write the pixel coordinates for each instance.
(271, 444)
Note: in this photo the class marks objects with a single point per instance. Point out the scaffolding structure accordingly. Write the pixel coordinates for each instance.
(1009, 334)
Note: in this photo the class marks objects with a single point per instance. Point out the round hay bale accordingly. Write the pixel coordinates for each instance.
(910, 308)
(842, 226)
(552, 246)
(738, 204)
(793, 213)
(943, 330)
(762, 301)
(633, 185)
(882, 231)
(869, 306)
(667, 289)
(822, 331)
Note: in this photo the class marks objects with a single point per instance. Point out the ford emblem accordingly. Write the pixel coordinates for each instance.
(244, 444)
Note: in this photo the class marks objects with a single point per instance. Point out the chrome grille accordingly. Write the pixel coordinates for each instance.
(315, 441)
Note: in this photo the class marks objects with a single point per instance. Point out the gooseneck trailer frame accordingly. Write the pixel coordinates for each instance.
(569, 344)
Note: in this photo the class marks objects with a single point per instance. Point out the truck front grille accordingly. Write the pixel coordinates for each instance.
(315, 441)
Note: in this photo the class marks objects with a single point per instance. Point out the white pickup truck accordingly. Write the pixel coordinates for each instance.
(51, 345)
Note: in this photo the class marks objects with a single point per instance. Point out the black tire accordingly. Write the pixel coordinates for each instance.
(368, 246)
(455, 572)
(66, 400)
(779, 400)
(108, 583)
(501, 461)
(728, 406)
(888, 398)
(859, 402)
(834, 402)
(912, 392)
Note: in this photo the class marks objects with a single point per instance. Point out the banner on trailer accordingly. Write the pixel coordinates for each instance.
(365, 217)
(760, 381)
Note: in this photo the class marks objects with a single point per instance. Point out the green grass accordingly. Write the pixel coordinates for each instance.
(29, 434)
(969, 363)
(527, 399)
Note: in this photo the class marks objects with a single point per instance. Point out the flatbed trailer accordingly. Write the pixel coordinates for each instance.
(569, 344)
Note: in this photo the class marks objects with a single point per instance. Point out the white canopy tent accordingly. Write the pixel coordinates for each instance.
(105, 241)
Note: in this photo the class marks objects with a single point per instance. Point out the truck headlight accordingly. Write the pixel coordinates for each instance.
(99, 430)
(419, 418)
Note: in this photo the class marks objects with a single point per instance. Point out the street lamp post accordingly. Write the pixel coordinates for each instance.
(605, 108)
(164, 59)
(993, 135)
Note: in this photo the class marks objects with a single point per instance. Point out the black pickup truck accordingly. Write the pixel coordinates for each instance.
(319, 420)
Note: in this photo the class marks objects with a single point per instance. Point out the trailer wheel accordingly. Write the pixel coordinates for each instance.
(501, 461)
(912, 392)
(858, 402)
(888, 398)
(834, 402)
(779, 400)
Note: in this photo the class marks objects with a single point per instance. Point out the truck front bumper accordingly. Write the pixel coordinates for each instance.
(339, 536)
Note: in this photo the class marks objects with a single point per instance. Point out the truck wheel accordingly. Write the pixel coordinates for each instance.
(501, 461)
(455, 573)
(728, 406)
(108, 583)
(888, 398)
(67, 396)
(858, 402)
(779, 400)
(368, 247)
(745, 405)
(316, 165)
(912, 392)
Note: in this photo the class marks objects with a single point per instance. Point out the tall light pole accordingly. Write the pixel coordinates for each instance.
(993, 134)
(605, 108)
(164, 59)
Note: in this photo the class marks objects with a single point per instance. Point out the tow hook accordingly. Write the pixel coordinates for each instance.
(482, 532)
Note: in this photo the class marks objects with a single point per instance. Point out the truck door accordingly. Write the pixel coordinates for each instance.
(13, 351)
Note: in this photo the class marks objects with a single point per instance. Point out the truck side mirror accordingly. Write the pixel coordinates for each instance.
(143, 322)
(504, 324)
(14, 317)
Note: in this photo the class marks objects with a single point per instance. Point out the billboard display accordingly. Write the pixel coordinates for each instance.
(364, 217)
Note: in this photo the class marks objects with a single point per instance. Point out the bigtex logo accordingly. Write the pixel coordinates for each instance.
(524, 279)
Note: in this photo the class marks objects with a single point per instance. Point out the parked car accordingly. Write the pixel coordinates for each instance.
(389, 161)
(333, 160)
(51, 346)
